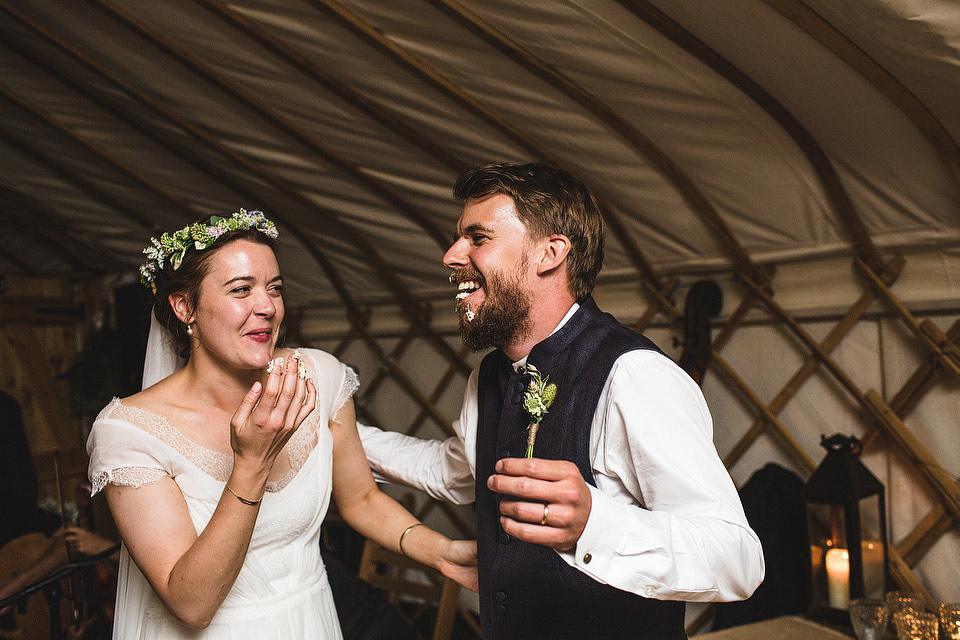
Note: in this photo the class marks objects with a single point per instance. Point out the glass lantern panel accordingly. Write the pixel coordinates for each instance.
(829, 556)
(871, 546)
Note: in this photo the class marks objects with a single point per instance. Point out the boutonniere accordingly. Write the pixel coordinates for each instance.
(537, 400)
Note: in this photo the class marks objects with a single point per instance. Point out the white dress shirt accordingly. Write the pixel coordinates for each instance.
(666, 521)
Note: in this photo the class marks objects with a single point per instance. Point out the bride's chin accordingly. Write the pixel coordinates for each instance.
(259, 359)
(261, 363)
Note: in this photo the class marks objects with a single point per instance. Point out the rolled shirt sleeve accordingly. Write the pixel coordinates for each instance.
(666, 520)
(437, 467)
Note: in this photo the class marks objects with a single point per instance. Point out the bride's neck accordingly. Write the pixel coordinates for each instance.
(215, 386)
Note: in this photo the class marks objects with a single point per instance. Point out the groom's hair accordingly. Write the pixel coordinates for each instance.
(547, 200)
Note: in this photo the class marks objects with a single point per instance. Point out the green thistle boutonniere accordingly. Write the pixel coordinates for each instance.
(537, 400)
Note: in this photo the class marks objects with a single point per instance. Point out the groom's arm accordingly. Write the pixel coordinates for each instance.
(438, 467)
(671, 527)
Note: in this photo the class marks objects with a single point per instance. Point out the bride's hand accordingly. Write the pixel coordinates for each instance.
(459, 562)
(269, 414)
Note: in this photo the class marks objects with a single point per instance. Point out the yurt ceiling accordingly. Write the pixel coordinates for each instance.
(792, 150)
(717, 135)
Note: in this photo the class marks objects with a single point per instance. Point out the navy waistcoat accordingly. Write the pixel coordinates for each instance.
(527, 592)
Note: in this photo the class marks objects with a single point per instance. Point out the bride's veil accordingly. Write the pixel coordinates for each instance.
(161, 358)
(133, 590)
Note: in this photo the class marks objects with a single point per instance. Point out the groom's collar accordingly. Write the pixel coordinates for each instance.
(520, 365)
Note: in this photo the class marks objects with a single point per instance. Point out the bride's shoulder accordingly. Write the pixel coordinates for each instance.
(109, 411)
(149, 402)
(121, 418)
(152, 398)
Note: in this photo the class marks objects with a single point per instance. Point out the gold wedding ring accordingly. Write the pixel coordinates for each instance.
(546, 511)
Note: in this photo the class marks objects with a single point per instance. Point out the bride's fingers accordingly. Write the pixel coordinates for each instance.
(309, 402)
(271, 389)
(247, 405)
(296, 401)
(288, 390)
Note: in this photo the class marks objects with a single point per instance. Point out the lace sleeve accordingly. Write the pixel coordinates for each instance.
(122, 453)
(351, 382)
(125, 476)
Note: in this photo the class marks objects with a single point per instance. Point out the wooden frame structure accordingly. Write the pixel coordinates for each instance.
(882, 418)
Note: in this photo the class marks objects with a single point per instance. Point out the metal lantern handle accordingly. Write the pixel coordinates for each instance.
(838, 442)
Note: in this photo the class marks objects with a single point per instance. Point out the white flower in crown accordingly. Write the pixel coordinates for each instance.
(155, 252)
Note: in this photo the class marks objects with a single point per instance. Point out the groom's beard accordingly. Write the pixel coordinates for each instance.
(502, 319)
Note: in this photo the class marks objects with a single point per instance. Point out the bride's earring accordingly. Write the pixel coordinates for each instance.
(189, 329)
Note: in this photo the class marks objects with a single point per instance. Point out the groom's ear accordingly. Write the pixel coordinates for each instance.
(181, 307)
(553, 251)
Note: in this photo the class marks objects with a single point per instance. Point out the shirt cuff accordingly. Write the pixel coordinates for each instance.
(597, 548)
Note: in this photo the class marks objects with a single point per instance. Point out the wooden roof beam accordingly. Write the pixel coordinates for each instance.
(421, 69)
(273, 116)
(401, 56)
(212, 170)
(167, 141)
(106, 158)
(381, 268)
(642, 144)
(346, 93)
(49, 228)
(819, 161)
(860, 61)
(73, 177)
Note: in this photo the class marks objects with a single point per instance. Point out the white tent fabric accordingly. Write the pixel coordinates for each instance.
(710, 131)
(735, 153)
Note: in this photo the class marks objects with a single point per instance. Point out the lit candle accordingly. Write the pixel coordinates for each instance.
(838, 578)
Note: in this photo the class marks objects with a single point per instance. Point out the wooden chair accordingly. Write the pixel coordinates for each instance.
(407, 580)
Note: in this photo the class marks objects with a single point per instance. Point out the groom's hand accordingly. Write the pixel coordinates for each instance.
(547, 501)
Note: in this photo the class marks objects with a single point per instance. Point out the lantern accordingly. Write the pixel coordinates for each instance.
(847, 523)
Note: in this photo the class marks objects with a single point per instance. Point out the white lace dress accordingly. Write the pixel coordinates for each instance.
(282, 590)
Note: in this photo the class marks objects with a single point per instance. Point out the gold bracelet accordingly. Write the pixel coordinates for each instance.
(405, 532)
(244, 500)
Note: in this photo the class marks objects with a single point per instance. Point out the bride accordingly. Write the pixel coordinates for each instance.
(219, 475)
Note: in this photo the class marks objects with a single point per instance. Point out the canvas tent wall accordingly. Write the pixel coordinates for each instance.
(788, 150)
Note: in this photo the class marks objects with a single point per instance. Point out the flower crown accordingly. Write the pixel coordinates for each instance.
(201, 235)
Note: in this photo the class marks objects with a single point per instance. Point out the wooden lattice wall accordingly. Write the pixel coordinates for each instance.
(406, 366)
(407, 363)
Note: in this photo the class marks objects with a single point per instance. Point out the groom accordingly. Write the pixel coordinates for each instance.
(625, 509)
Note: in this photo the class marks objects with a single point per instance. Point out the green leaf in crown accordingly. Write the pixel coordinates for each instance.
(173, 246)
